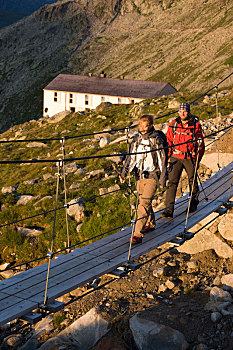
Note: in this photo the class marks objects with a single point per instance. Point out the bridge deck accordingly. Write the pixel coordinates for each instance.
(24, 292)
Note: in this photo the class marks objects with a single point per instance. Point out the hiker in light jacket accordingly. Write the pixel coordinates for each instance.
(150, 172)
(184, 128)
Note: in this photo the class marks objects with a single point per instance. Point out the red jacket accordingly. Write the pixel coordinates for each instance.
(177, 134)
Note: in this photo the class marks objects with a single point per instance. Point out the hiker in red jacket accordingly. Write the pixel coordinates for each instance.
(184, 128)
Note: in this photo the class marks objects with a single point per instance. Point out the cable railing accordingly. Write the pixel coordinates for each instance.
(32, 161)
(110, 131)
(61, 162)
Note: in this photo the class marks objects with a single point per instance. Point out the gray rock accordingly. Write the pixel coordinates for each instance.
(192, 264)
(36, 144)
(31, 182)
(170, 284)
(76, 206)
(150, 335)
(82, 334)
(42, 327)
(80, 171)
(78, 228)
(43, 199)
(71, 168)
(7, 274)
(30, 232)
(205, 240)
(24, 199)
(57, 117)
(218, 294)
(47, 176)
(227, 281)
(109, 189)
(74, 186)
(225, 227)
(9, 189)
(162, 288)
(216, 316)
(217, 281)
(12, 341)
(173, 104)
(104, 141)
(158, 272)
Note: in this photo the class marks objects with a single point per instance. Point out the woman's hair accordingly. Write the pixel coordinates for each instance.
(147, 118)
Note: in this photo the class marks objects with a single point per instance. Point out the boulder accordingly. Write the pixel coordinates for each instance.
(47, 176)
(209, 160)
(104, 141)
(9, 189)
(30, 231)
(12, 341)
(225, 227)
(31, 182)
(205, 240)
(24, 199)
(71, 168)
(218, 294)
(150, 335)
(102, 106)
(83, 334)
(173, 104)
(227, 281)
(36, 144)
(56, 118)
(109, 189)
(76, 208)
(42, 327)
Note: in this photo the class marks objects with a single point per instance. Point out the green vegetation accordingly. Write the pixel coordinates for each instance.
(58, 318)
(229, 61)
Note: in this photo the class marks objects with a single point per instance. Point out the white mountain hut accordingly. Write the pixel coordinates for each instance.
(77, 93)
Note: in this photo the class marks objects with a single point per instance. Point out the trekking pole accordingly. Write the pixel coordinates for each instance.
(217, 138)
(206, 198)
(129, 184)
(202, 188)
(133, 221)
(62, 141)
(128, 187)
(50, 253)
(191, 192)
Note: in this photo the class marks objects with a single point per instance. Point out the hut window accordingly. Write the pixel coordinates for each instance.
(55, 96)
(86, 100)
(71, 98)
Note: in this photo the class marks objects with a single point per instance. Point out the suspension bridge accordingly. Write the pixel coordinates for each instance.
(39, 287)
(25, 291)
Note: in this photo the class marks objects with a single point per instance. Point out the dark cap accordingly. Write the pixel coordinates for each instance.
(184, 106)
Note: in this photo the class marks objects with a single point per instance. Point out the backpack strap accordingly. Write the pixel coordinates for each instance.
(175, 131)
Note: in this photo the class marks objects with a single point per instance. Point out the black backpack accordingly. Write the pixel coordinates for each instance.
(163, 137)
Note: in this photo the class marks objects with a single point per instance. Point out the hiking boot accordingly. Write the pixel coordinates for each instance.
(166, 214)
(148, 228)
(136, 240)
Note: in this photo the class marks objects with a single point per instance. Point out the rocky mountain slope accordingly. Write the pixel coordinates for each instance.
(185, 43)
(181, 294)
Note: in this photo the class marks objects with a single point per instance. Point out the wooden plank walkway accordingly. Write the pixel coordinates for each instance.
(24, 292)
